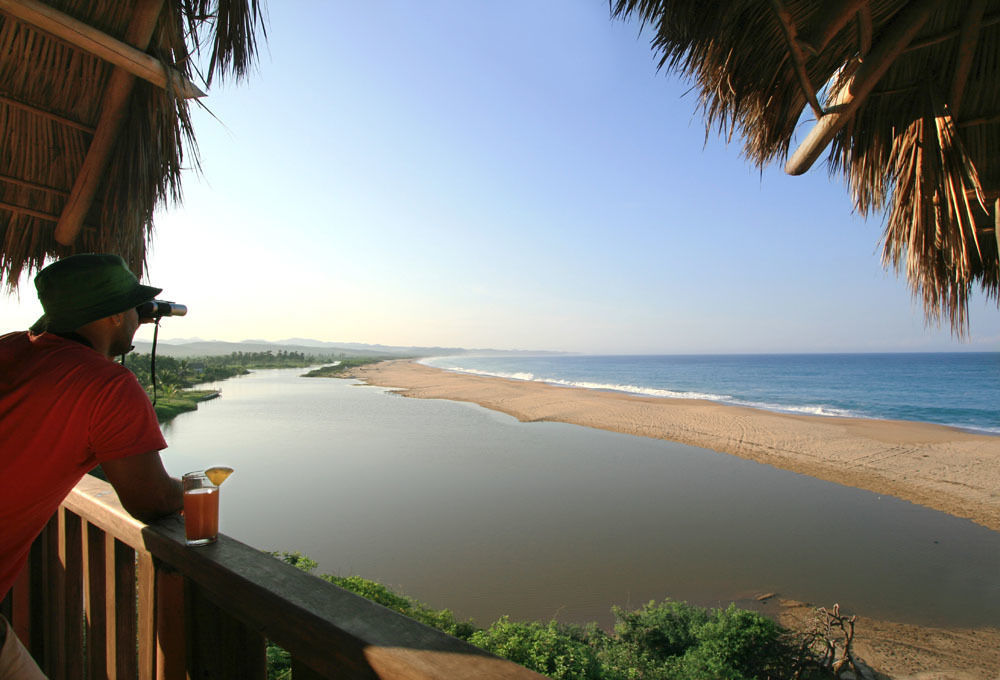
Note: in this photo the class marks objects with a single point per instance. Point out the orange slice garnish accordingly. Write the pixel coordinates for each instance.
(218, 474)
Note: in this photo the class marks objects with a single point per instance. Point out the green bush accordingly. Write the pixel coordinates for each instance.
(736, 644)
(661, 641)
(442, 619)
(550, 649)
(661, 630)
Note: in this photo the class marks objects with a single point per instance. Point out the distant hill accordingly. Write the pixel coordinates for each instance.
(209, 348)
(202, 348)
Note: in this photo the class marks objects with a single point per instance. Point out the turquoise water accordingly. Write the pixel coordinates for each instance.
(961, 390)
(470, 509)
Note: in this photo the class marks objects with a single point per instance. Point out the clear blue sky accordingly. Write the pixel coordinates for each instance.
(507, 175)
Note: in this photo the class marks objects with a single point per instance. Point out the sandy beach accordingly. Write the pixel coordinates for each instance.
(939, 467)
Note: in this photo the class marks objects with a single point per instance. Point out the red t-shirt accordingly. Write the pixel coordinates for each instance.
(64, 408)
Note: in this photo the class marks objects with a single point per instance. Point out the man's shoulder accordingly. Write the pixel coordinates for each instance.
(33, 355)
(14, 338)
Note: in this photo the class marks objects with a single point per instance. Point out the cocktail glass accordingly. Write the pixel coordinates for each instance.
(201, 509)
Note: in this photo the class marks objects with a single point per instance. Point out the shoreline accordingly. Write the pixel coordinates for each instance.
(940, 467)
(944, 468)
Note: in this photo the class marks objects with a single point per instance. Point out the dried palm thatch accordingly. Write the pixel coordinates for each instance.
(88, 150)
(905, 96)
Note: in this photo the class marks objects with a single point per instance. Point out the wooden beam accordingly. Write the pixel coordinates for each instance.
(967, 41)
(29, 211)
(932, 40)
(833, 16)
(847, 100)
(101, 45)
(798, 60)
(113, 109)
(864, 30)
(982, 120)
(33, 185)
(30, 108)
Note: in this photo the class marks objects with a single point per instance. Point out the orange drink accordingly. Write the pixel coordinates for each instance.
(201, 509)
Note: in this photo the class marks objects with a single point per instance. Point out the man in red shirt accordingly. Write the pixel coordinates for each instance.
(67, 406)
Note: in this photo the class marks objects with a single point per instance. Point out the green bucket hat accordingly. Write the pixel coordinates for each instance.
(82, 288)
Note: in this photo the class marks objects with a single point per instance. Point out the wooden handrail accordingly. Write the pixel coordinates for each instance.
(215, 605)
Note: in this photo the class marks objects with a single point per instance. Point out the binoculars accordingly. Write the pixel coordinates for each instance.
(155, 309)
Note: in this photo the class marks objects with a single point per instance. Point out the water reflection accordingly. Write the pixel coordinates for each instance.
(469, 509)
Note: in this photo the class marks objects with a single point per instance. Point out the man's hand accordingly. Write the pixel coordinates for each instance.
(143, 486)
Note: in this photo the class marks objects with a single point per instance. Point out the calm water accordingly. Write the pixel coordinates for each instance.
(956, 389)
(469, 509)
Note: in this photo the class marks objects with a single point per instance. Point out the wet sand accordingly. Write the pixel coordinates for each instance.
(939, 467)
(932, 465)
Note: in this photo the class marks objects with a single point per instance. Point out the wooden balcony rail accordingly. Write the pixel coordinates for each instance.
(106, 596)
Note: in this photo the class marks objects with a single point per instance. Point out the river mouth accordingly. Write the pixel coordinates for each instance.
(469, 509)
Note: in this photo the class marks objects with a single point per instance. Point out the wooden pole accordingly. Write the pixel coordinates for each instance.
(864, 30)
(833, 16)
(967, 40)
(938, 38)
(113, 108)
(892, 42)
(101, 45)
(798, 60)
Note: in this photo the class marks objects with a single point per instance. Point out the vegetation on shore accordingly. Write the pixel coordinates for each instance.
(337, 369)
(661, 641)
(176, 376)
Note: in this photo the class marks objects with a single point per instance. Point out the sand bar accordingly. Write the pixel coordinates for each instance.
(939, 467)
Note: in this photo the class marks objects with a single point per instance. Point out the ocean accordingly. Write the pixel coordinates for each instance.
(957, 389)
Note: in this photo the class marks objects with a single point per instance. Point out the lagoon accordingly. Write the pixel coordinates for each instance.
(466, 508)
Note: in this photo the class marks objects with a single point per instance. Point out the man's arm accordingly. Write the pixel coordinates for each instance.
(143, 485)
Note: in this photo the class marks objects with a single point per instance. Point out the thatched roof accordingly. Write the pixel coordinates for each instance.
(903, 96)
(94, 117)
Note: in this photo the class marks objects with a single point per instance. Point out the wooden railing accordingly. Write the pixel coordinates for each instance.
(106, 596)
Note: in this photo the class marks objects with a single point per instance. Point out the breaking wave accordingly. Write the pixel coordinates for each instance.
(814, 410)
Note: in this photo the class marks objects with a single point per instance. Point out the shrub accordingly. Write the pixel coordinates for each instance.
(442, 619)
(661, 641)
(550, 649)
(736, 644)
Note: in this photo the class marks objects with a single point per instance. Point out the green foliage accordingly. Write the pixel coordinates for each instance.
(661, 630)
(297, 560)
(442, 619)
(550, 649)
(279, 663)
(182, 373)
(738, 645)
(661, 641)
(175, 376)
(674, 640)
(172, 403)
(333, 370)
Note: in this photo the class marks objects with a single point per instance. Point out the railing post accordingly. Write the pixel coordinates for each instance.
(220, 646)
(20, 604)
(302, 672)
(54, 597)
(35, 640)
(120, 570)
(71, 557)
(170, 653)
(146, 609)
(96, 595)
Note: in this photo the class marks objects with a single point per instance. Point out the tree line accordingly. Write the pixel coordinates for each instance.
(174, 373)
